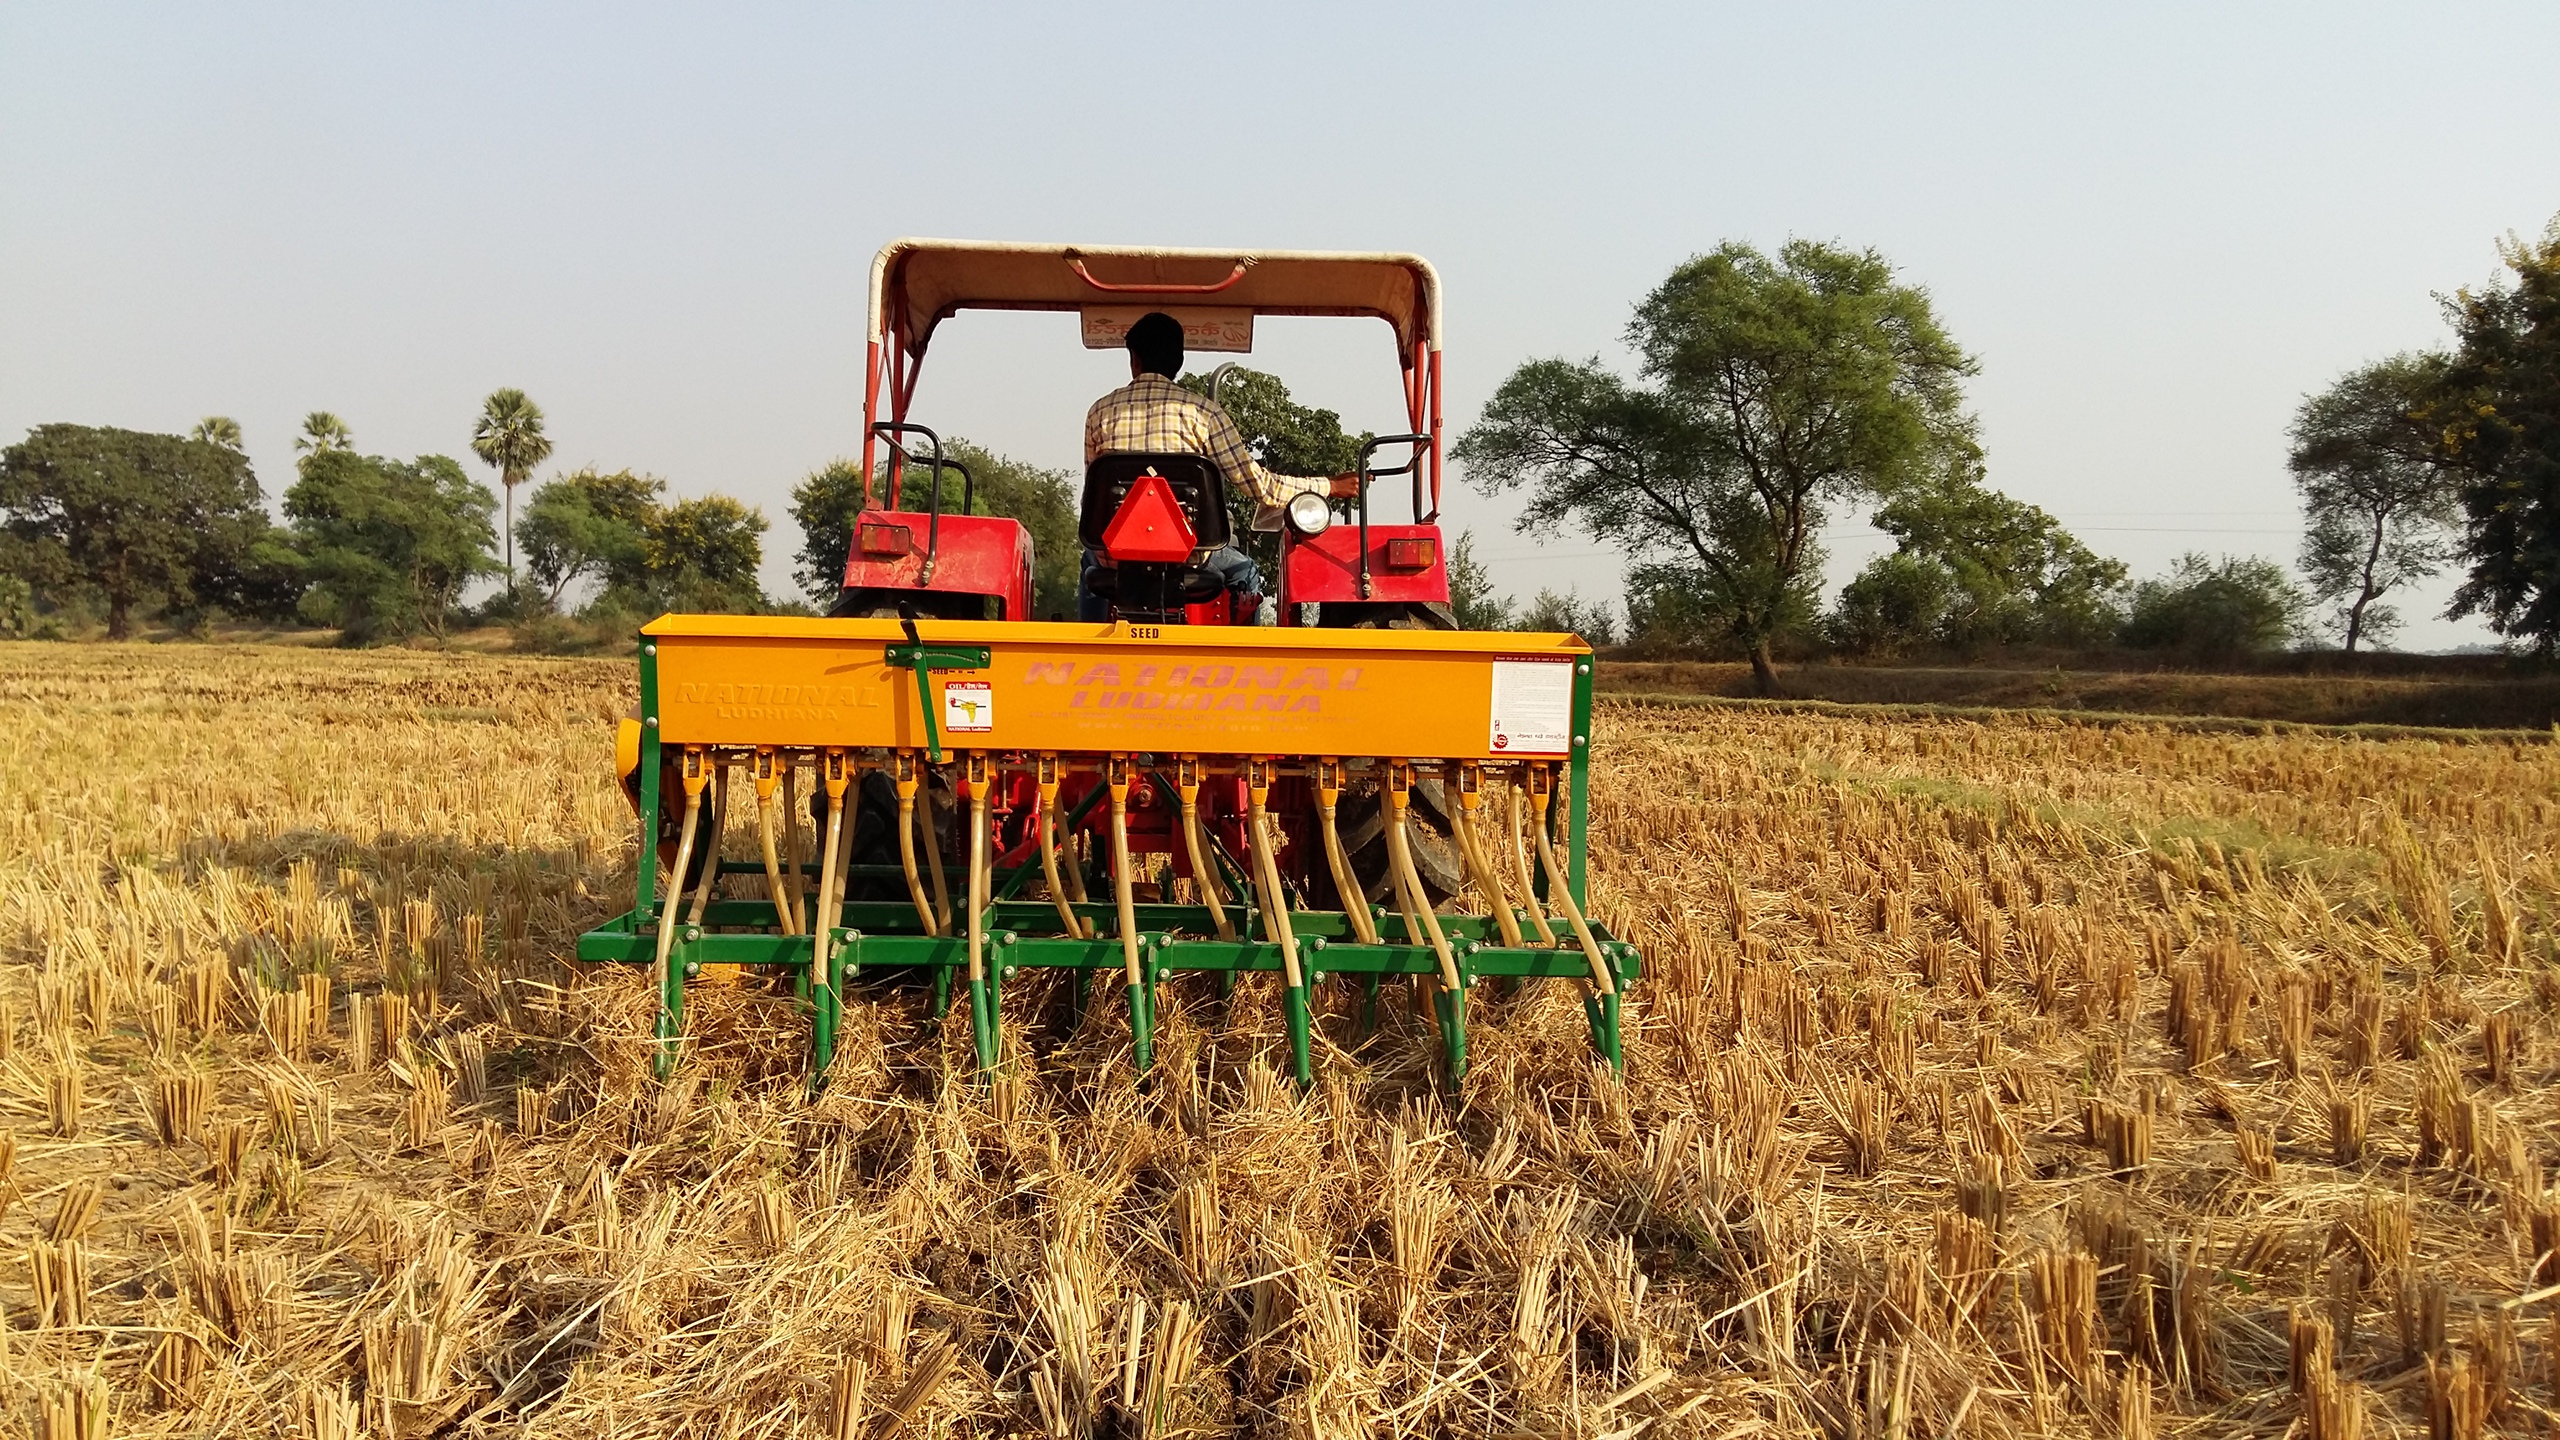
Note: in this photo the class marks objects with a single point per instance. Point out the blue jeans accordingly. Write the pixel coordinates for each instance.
(1234, 569)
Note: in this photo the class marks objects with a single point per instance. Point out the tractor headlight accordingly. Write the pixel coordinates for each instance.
(1309, 515)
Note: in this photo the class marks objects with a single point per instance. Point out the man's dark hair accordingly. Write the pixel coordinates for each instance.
(1156, 343)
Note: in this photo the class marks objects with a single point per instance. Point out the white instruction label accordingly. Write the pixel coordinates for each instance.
(968, 707)
(1532, 707)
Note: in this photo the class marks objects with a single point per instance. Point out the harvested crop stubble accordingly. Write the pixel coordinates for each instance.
(1987, 1077)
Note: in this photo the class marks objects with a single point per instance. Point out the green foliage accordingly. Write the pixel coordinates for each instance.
(1471, 596)
(647, 556)
(17, 607)
(508, 435)
(2501, 399)
(219, 430)
(1567, 612)
(2215, 609)
(323, 432)
(1974, 567)
(2381, 505)
(1288, 438)
(700, 556)
(1777, 387)
(826, 504)
(1899, 601)
(589, 526)
(388, 545)
(261, 579)
(508, 438)
(141, 518)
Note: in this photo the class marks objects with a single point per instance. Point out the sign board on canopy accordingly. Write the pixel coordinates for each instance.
(1227, 328)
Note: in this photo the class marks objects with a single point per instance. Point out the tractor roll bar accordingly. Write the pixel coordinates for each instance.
(1412, 466)
(1075, 262)
(897, 477)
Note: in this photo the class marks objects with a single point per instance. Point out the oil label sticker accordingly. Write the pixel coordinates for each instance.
(968, 707)
(1532, 707)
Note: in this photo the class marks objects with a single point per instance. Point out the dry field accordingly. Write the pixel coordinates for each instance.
(2017, 1078)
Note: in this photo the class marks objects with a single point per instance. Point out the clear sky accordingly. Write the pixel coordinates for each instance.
(2157, 226)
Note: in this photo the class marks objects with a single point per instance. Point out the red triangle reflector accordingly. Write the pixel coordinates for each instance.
(1149, 525)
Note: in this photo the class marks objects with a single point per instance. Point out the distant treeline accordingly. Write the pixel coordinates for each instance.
(1775, 391)
(110, 528)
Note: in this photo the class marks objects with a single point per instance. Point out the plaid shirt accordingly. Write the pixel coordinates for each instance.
(1153, 416)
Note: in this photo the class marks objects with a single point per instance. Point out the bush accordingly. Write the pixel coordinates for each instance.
(17, 608)
(1571, 614)
(2215, 609)
(1900, 600)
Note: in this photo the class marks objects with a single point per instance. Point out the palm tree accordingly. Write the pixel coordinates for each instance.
(323, 432)
(509, 438)
(219, 430)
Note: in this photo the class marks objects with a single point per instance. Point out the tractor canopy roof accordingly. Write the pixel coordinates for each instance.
(915, 284)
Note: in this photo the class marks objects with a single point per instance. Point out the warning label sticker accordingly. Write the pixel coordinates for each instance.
(1532, 707)
(968, 706)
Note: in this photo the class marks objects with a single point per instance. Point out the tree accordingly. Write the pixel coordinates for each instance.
(388, 544)
(1566, 612)
(1287, 437)
(143, 518)
(509, 439)
(1777, 387)
(323, 432)
(2381, 504)
(17, 607)
(1471, 597)
(701, 556)
(826, 504)
(1900, 600)
(2003, 572)
(219, 430)
(650, 556)
(591, 526)
(2215, 610)
(2501, 397)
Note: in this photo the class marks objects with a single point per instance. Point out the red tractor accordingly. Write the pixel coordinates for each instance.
(1153, 518)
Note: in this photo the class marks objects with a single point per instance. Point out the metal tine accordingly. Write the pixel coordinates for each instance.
(661, 977)
(833, 778)
(1187, 772)
(1045, 771)
(715, 803)
(1419, 918)
(791, 861)
(767, 781)
(1468, 781)
(977, 774)
(1115, 774)
(1541, 778)
(1451, 1002)
(1258, 774)
(1520, 865)
(1346, 885)
(933, 853)
(904, 773)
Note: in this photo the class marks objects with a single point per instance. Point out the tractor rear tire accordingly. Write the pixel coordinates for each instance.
(1363, 811)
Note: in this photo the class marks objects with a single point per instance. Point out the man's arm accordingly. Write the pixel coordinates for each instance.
(1226, 446)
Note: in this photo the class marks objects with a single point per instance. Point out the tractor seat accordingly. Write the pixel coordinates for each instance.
(1194, 480)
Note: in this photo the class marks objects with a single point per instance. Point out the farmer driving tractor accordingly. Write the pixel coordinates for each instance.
(1153, 414)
